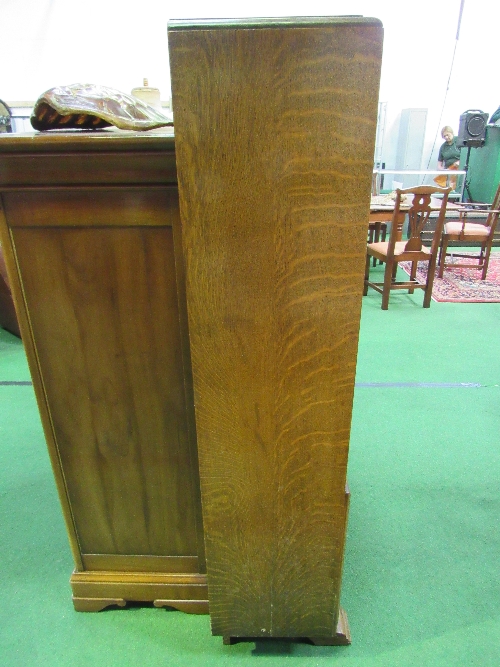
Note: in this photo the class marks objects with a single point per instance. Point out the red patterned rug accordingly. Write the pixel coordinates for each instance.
(463, 285)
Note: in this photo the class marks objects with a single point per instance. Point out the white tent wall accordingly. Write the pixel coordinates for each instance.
(44, 43)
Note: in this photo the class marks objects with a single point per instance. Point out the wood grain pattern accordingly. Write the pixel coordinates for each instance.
(110, 168)
(135, 563)
(107, 336)
(274, 142)
(91, 207)
(33, 159)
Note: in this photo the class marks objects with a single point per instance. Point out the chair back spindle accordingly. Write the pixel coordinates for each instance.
(418, 215)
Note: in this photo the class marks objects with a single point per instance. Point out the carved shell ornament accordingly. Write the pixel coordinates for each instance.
(90, 107)
(390, 198)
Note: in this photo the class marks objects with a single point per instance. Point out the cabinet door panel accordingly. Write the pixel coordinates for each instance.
(102, 303)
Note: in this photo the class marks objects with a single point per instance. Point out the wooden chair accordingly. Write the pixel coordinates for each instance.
(377, 230)
(395, 250)
(482, 234)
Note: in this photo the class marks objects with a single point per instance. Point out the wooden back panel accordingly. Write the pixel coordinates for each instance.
(275, 125)
(100, 290)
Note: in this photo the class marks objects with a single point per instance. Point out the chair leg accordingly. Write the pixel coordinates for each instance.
(390, 269)
(486, 261)
(431, 271)
(413, 275)
(367, 274)
(383, 236)
(442, 255)
(380, 235)
(376, 238)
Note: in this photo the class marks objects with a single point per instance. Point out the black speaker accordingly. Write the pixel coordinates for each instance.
(472, 128)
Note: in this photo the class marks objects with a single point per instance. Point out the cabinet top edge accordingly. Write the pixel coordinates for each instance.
(80, 140)
(278, 22)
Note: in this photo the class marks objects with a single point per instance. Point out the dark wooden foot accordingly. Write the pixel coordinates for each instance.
(341, 638)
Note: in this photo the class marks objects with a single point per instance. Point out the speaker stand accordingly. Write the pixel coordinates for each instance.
(466, 180)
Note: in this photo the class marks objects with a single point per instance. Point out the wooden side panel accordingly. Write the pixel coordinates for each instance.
(103, 307)
(274, 141)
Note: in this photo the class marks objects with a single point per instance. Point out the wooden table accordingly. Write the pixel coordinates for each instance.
(380, 216)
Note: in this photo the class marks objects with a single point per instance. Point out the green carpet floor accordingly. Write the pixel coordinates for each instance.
(422, 568)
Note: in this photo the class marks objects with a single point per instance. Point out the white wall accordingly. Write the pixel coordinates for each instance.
(44, 43)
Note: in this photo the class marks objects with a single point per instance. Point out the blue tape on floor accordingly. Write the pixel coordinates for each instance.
(10, 383)
(431, 385)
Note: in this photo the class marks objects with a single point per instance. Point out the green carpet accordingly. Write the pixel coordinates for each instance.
(421, 582)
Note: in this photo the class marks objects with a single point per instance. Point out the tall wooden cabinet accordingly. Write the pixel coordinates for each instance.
(90, 231)
(275, 126)
(259, 255)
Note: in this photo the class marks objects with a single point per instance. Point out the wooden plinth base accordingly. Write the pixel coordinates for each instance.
(94, 591)
(341, 638)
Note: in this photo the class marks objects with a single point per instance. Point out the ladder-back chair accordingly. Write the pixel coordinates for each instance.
(412, 250)
(477, 232)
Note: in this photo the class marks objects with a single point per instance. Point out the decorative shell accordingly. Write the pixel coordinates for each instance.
(394, 195)
(390, 198)
(90, 107)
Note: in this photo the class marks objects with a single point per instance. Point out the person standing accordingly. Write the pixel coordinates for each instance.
(449, 154)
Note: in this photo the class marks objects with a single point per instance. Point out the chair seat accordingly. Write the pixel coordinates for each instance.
(381, 249)
(470, 229)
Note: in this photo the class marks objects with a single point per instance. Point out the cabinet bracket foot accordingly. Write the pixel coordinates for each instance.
(96, 604)
(341, 638)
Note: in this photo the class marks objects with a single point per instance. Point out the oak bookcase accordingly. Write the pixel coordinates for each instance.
(191, 313)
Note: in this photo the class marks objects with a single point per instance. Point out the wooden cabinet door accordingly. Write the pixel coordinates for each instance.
(102, 293)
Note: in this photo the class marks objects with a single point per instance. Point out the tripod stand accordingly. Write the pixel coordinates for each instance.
(465, 187)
